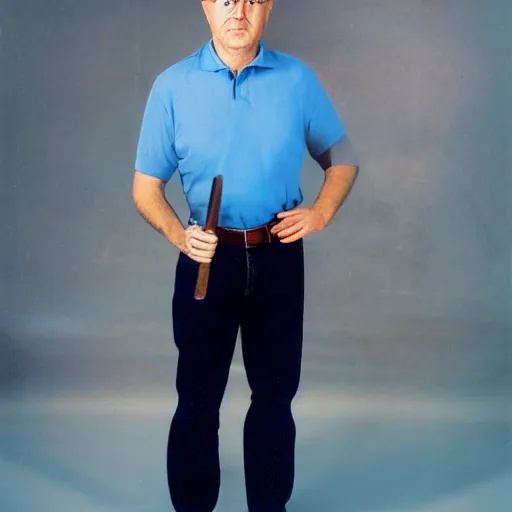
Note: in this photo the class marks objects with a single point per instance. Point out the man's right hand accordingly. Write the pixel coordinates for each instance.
(200, 245)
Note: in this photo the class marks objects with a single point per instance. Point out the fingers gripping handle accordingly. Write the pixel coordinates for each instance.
(212, 219)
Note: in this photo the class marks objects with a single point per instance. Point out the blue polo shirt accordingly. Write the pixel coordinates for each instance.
(253, 129)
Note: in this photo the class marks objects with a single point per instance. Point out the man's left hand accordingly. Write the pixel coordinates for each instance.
(298, 223)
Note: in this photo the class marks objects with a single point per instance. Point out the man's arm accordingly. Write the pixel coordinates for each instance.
(337, 185)
(340, 165)
(150, 201)
(339, 178)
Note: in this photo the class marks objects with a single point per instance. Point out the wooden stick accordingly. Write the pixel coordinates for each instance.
(212, 219)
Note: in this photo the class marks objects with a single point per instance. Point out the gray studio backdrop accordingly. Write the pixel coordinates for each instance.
(407, 360)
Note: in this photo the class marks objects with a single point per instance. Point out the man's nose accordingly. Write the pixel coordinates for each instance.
(239, 11)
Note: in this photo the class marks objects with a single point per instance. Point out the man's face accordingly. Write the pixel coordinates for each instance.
(237, 24)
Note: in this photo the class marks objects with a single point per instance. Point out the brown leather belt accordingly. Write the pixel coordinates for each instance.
(246, 237)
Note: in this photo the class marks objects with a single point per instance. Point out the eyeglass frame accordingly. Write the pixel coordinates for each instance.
(259, 2)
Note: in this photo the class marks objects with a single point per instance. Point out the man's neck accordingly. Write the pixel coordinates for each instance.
(236, 60)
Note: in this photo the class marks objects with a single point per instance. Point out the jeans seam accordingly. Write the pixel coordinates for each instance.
(248, 281)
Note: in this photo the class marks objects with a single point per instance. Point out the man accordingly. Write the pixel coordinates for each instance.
(238, 109)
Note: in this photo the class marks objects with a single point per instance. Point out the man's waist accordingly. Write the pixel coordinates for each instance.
(238, 217)
(249, 237)
(229, 218)
(244, 236)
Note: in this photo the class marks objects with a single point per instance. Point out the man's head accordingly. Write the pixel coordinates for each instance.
(237, 24)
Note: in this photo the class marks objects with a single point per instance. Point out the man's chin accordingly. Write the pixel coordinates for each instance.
(237, 45)
(237, 38)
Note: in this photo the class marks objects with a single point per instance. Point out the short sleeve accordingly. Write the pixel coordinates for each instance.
(344, 152)
(323, 125)
(156, 154)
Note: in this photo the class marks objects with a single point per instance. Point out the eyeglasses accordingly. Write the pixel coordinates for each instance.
(228, 5)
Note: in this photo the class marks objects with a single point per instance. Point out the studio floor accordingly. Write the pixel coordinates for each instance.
(357, 451)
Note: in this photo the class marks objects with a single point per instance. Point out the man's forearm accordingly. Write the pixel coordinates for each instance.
(336, 187)
(159, 214)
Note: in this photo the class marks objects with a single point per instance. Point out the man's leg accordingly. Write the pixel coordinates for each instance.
(205, 334)
(272, 329)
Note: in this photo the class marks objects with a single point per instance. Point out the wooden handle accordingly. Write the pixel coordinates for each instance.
(212, 218)
(202, 281)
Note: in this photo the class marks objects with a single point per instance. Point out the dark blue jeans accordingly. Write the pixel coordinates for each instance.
(261, 291)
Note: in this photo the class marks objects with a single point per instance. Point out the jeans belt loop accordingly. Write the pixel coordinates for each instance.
(267, 229)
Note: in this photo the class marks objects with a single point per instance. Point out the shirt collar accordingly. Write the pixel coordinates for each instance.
(210, 61)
